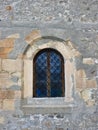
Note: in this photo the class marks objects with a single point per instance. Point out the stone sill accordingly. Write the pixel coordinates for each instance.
(47, 106)
(49, 101)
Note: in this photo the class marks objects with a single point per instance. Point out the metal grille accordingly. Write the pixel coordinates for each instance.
(48, 74)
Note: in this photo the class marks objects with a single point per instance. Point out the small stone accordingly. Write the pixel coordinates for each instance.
(8, 8)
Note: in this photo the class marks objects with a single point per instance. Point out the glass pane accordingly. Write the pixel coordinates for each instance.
(55, 75)
(41, 75)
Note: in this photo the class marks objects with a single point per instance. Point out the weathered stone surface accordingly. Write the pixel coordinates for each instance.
(12, 65)
(14, 79)
(10, 94)
(1, 104)
(83, 82)
(34, 35)
(8, 8)
(5, 81)
(91, 83)
(6, 94)
(81, 73)
(0, 64)
(14, 87)
(2, 120)
(6, 46)
(68, 21)
(80, 79)
(9, 104)
(73, 49)
(88, 61)
(4, 52)
(14, 36)
(8, 42)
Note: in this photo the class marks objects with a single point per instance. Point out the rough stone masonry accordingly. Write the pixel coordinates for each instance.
(26, 26)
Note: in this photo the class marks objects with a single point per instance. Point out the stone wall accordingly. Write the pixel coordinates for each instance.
(26, 24)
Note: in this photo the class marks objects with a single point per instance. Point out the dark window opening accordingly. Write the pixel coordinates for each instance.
(48, 74)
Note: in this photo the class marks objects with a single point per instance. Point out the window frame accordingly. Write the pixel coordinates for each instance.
(28, 68)
(48, 51)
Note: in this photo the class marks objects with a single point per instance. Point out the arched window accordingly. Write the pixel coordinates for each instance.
(48, 74)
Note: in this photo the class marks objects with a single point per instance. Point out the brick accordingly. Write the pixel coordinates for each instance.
(9, 104)
(12, 65)
(33, 36)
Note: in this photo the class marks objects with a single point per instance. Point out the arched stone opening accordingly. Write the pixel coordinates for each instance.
(68, 52)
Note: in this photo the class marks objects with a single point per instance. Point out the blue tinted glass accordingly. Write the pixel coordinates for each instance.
(55, 75)
(41, 75)
(48, 74)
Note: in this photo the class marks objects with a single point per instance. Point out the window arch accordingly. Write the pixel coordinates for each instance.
(48, 74)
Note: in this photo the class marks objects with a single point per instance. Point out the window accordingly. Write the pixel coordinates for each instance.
(48, 74)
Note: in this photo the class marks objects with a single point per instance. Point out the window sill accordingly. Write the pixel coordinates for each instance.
(47, 106)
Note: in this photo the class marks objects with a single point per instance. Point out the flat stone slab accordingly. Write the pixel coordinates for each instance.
(47, 106)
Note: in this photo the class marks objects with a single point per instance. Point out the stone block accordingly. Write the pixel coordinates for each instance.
(33, 36)
(2, 120)
(17, 94)
(6, 94)
(4, 75)
(88, 61)
(86, 94)
(15, 87)
(18, 74)
(1, 103)
(4, 52)
(7, 43)
(9, 94)
(80, 73)
(5, 81)
(92, 83)
(8, 8)
(8, 104)
(80, 79)
(90, 103)
(80, 83)
(16, 35)
(0, 64)
(12, 65)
